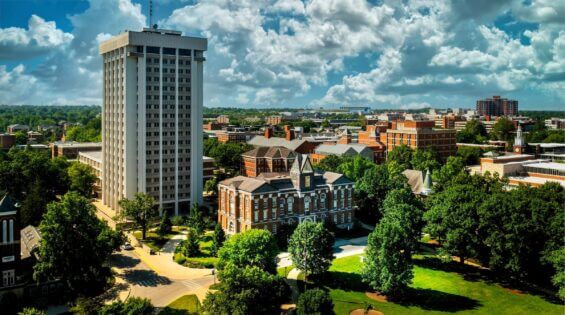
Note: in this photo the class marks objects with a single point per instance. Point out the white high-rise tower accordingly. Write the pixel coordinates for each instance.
(152, 117)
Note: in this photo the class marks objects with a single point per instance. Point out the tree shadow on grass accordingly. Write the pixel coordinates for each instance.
(433, 300)
(475, 274)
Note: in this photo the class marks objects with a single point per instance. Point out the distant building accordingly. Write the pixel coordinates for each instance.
(34, 136)
(7, 140)
(233, 136)
(208, 168)
(267, 160)
(555, 123)
(94, 160)
(341, 150)
(17, 127)
(274, 120)
(223, 119)
(420, 135)
(371, 138)
(212, 125)
(356, 109)
(497, 106)
(71, 149)
(273, 199)
(289, 141)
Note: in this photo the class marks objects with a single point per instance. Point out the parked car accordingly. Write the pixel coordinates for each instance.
(127, 246)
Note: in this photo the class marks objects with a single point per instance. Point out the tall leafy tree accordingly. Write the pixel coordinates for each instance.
(310, 248)
(251, 248)
(449, 172)
(331, 163)
(218, 239)
(141, 210)
(166, 226)
(196, 219)
(211, 186)
(75, 245)
(425, 159)
(388, 262)
(246, 290)
(402, 155)
(470, 155)
(315, 302)
(474, 132)
(503, 129)
(82, 178)
(356, 167)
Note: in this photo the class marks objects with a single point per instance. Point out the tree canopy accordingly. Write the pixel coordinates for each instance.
(310, 248)
(75, 245)
(251, 248)
(141, 210)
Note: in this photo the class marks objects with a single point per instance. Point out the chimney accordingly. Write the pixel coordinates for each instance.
(289, 133)
(268, 132)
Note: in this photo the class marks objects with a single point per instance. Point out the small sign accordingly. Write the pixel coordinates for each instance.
(7, 259)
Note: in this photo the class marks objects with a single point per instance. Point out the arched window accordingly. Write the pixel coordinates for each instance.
(342, 199)
(306, 204)
(323, 201)
(290, 203)
(281, 205)
(315, 200)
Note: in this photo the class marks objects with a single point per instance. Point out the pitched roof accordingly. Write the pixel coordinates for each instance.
(270, 152)
(341, 149)
(30, 238)
(261, 141)
(7, 204)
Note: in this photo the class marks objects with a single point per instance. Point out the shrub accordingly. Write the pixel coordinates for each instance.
(315, 302)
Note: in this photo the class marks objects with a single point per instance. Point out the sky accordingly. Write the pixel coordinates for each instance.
(308, 54)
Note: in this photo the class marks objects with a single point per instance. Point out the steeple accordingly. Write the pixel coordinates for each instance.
(302, 172)
(519, 143)
(428, 184)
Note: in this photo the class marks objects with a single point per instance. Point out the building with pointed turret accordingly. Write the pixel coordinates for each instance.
(273, 199)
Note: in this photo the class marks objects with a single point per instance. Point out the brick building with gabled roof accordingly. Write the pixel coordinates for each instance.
(267, 160)
(272, 199)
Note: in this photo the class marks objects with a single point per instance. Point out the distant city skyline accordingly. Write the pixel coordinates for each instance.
(288, 53)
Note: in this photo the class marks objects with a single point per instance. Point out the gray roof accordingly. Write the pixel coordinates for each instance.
(261, 141)
(343, 149)
(415, 180)
(7, 204)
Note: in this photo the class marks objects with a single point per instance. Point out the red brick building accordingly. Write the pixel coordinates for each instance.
(9, 242)
(273, 120)
(232, 136)
(267, 160)
(420, 134)
(370, 137)
(273, 199)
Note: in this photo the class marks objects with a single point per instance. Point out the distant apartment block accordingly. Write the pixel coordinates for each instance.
(420, 135)
(497, 106)
(226, 136)
(152, 117)
(208, 168)
(555, 123)
(274, 120)
(7, 140)
(71, 149)
(273, 199)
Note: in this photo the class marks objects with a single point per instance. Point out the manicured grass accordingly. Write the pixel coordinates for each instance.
(185, 305)
(204, 260)
(435, 290)
(154, 240)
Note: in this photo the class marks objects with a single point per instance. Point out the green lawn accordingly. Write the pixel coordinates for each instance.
(154, 240)
(436, 290)
(204, 260)
(185, 305)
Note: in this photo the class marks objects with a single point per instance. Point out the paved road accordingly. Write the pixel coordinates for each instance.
(135, 278)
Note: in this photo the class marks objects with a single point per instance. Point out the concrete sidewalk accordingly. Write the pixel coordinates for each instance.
(163, 264)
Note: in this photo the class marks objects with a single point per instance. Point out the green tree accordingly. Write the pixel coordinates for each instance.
(71, 227)
(251, 248)
(166, 226)
(425, 159)
(330, 163)
(470, 155)
(402, 155)
(452, 218)
(21, 137)
(474, 132)
(246, 290)
(315, 302)
(31, 311)
(141, 210)
(388, 262)
(191, 245)
(211, 186)
(82, 178)
(195, 219)
(132, 305)
(310, 248)
(371, 190)
(503, 129)
(218, 239)
(355, 168)
(449, 172)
